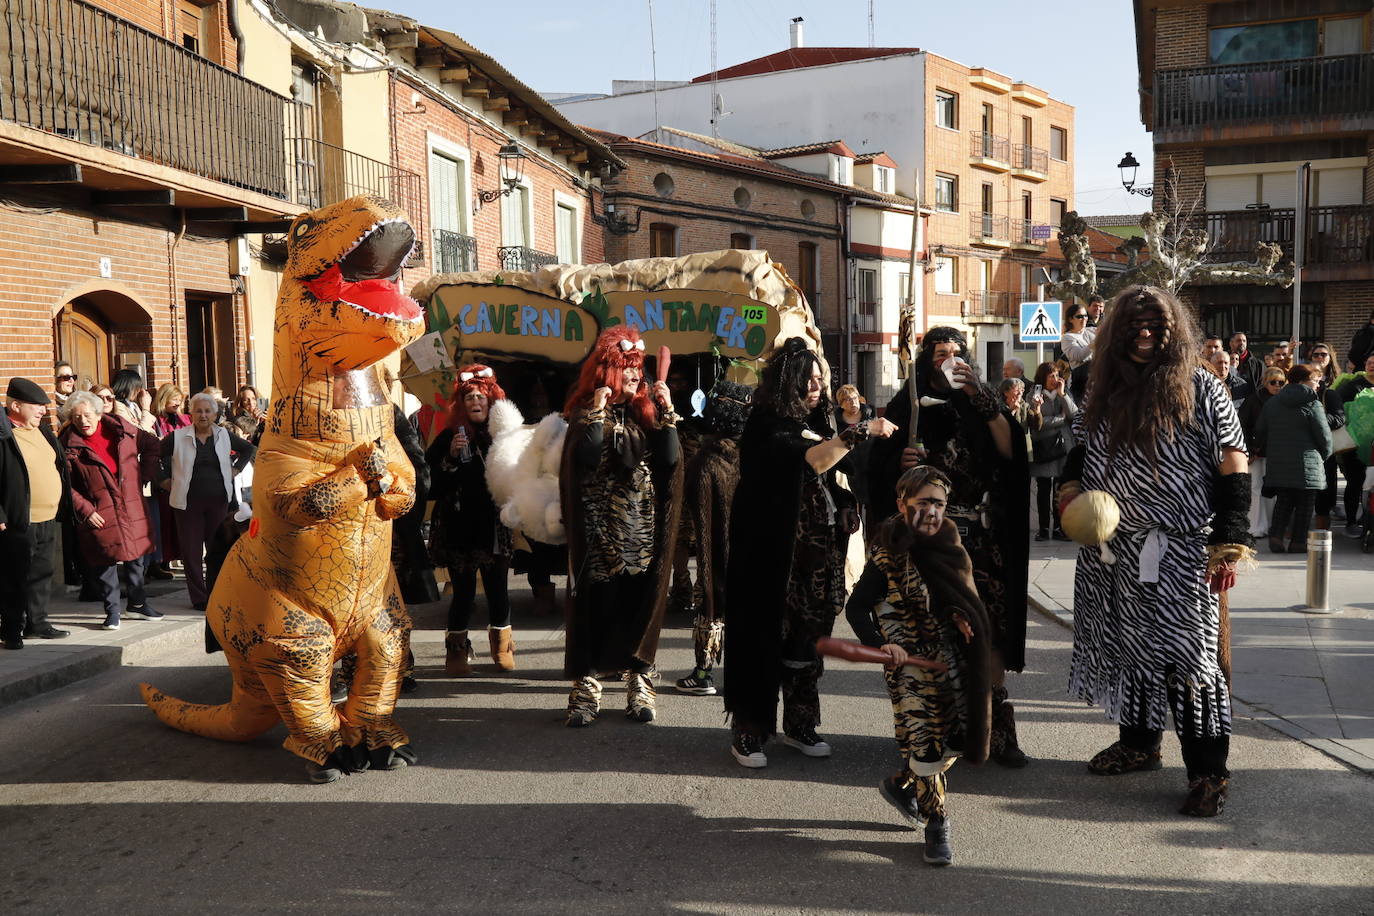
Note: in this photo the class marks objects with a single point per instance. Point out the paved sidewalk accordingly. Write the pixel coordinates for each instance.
(47, 664)
(1309, 676)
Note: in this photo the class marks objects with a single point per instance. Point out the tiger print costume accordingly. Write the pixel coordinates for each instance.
(937, 716)
(312, 579)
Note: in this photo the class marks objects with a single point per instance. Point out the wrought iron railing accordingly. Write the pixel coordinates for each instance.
(323, 174)
(1230, 93)
(72, 69)
(1023, 233)
(518, 257)
(866, 319)
(454, 252)
(986, 145)
(1031, 158)
(987, 304)
(988, 226)
(1334, 235)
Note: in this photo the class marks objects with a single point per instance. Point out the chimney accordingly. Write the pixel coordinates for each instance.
(796, 31)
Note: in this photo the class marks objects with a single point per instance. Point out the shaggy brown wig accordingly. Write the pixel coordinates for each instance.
(1140, 401)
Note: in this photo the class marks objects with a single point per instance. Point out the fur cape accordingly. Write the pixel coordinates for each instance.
(580, 613)
(523, 470)
(711, 478)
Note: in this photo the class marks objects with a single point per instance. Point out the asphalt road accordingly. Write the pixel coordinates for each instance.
(106, 810)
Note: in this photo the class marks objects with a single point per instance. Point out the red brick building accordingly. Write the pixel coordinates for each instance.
(673, 201)
(1240, 94)
(122, 198)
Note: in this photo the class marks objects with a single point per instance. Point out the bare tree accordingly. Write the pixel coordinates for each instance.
(1176, 251)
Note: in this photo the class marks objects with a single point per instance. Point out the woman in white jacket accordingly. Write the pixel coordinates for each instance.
(199, 464)
(1077, 345)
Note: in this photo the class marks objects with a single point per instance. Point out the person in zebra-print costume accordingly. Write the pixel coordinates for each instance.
(1160, 434)
(917, 598)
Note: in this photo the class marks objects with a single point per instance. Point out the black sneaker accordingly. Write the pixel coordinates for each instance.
(938, 851)
(697, 686)
(111, 622)
(808, 742)
(1042, 535)
(748, 751)
(900, 793)
(143, 612)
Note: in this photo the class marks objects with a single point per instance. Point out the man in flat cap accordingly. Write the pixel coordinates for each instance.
(33, 490)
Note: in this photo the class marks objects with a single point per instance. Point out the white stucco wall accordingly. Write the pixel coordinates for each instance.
(871, 105)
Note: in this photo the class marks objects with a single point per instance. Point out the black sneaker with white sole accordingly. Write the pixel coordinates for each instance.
(808, 742)
(697, 686)
(748, 751)
(142, 612)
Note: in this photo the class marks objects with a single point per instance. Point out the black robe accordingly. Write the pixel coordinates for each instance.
(763, 524)
(1007, 480)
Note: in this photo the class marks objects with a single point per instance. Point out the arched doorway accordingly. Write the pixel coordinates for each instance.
(99, 331)
(83, 339)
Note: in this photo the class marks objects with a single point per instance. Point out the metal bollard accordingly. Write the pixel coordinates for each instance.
(1318, 572)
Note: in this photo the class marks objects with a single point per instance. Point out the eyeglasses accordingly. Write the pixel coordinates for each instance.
(66, 378)
(1274, 383)
(1319, 354)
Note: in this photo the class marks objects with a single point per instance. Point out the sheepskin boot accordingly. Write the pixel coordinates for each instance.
(457, 654)
(502, 647)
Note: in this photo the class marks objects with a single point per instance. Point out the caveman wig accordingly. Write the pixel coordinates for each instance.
(473, 377)
(618, 348)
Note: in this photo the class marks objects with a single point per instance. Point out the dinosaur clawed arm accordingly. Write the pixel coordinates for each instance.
(303, 498)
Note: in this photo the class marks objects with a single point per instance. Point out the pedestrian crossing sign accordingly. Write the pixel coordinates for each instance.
(1041, 321)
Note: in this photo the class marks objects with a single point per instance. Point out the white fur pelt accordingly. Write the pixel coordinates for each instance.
(522, 472)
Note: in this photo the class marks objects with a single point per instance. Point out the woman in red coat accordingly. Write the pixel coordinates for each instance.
(109, 460)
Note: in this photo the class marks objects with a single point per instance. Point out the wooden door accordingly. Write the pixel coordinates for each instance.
(83, 341)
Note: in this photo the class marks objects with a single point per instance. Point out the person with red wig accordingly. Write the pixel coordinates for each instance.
(620, 484)
(467, 535)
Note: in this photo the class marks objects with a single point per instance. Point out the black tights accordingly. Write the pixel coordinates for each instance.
(465, 594)
(1045, 503)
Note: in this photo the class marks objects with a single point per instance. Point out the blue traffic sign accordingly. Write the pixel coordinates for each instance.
(1041, 322)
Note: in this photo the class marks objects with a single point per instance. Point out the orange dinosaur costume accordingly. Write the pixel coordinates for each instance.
(312, 579)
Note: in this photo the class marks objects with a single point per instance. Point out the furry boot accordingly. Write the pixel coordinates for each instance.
(502, 647)
(457, 654)
(1004, 747)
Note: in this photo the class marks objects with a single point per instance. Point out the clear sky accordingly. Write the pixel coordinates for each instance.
(1080, 51)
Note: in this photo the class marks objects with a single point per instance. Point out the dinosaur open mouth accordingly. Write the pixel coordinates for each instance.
(365, 277)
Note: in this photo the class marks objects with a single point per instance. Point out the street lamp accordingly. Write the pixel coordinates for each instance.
(511, 159)
(1128, 166)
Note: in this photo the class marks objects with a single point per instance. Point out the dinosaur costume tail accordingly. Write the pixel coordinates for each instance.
(241, 719)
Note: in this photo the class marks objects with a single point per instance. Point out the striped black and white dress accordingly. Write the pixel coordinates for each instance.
(1146, 627)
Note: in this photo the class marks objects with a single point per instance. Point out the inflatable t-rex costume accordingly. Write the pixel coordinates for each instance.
(312, 579)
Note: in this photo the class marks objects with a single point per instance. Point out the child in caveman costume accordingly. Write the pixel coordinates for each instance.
(916, 597)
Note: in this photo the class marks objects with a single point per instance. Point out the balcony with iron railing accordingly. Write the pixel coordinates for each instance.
(1238, 101)
(75, 71)
(989, 230)
(1338, 242)
(1023, 235)
(1029, 162)
(988, 151)
(866, 319)
(454, 252)
(518, 257)
(987, 304)
(323, 173)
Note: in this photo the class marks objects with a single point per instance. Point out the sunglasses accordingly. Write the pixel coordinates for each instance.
(66, 378)
(1273, 383)
(107, 397)
(1320, 353)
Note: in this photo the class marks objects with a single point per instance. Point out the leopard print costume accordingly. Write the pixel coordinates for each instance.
(619, 509)
(312, 580)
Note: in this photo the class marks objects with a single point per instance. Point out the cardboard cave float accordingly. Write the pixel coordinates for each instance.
(734, 304)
